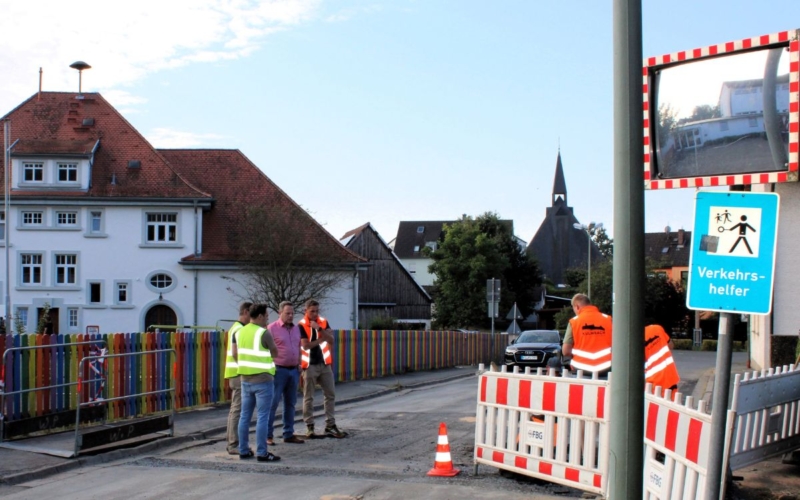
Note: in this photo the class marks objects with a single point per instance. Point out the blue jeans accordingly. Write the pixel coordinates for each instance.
(286, 382)
(259, 397)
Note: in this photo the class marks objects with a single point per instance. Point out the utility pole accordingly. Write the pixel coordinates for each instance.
(627, 380)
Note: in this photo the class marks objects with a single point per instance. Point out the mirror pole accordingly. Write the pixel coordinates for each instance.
(772, 122)
(625, 465)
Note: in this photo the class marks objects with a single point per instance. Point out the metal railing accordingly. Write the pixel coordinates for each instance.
(106, 400)
(4, 393)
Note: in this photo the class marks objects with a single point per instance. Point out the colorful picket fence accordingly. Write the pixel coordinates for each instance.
(198, 366)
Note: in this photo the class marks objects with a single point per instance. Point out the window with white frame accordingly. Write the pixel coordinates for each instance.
(22, 317)
(66, 269)
(72, 317)
(67, 172)
(33, 172)
(95, 221)
(162, 228)
(161, 281)
(31, 268)
(32, 218)
(67, 218)
(122, 292)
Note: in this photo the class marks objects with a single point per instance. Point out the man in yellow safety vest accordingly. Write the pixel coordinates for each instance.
(253, 353)
(232, 376)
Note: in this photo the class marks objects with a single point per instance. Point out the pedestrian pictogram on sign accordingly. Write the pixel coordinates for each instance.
(737, 231)
(732, 261)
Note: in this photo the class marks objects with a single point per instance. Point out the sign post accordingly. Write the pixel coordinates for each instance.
(731, 270)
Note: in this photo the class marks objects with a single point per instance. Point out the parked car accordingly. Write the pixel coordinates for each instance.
(535, 348)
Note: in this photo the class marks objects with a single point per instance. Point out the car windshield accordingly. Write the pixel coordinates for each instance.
(538, 337)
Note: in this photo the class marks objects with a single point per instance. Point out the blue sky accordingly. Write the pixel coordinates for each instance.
(377, 111)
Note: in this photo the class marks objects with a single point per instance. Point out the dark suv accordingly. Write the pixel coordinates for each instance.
(535, 348)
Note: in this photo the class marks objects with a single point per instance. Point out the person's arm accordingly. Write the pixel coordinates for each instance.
(267, 342)
(325, 335)
(234, 347)
(566, 347)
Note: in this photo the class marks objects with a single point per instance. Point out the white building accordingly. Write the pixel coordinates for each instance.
(107, 231)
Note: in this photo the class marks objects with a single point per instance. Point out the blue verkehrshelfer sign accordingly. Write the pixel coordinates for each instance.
(732, 258)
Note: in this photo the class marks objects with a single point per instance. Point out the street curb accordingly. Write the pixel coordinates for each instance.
(200, 437)
(704, 387)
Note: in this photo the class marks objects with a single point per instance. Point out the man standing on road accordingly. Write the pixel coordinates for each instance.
(659, 366)
(316, 358)
(588, 337)
(253, 352)
(287, 376)
(232, 376)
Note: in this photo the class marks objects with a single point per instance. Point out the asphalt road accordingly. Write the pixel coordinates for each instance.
(390, 449)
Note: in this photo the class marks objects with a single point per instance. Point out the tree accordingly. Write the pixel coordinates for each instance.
(601, 239)
(703, 112)
(474, 250)
(664, 300)
(279, 260)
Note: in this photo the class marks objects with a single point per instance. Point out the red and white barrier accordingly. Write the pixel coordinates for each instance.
(676, 440)
(543, 426)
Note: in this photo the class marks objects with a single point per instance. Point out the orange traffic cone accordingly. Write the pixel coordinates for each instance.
(443, 464)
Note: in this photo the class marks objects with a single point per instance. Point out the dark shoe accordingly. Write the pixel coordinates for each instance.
(248, 455)
(310, 433)
(234, 451)
(270, 442)
(269, 457)
(293, 439)
(334, 432)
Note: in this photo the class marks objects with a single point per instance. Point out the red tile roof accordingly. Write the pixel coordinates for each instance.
(53, 123)
(234, 179)
(65, 123)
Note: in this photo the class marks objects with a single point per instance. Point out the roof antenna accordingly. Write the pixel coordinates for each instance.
(39, 97)
(80, 66)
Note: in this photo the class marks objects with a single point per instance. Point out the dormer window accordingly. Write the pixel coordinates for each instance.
(33, 172)
(67, 172)
(58, 173)
(420, 229)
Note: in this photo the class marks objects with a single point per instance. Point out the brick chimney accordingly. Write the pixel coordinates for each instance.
(681, 237)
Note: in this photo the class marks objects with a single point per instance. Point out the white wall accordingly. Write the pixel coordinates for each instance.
(117, 256)
(216, 302)
(419, 270)
(786, 312)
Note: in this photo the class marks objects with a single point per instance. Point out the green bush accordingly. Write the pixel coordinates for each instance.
(683, 344)
(382, 323)
(711, 345)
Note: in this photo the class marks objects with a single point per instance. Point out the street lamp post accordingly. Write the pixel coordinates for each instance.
(587, 229)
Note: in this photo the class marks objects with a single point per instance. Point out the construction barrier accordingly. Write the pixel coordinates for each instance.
(676, 440)
(766, 409)
(544, 426)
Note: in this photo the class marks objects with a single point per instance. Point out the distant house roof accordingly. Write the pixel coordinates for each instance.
(412, 236)
(668, 248)
(232, 177)
(70, 124)
(350, 237)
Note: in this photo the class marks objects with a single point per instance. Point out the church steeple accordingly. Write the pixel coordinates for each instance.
(559, 184)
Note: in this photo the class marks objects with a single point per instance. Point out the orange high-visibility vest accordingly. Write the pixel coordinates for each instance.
(591, 333)
(659, 366)
(305, 354)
